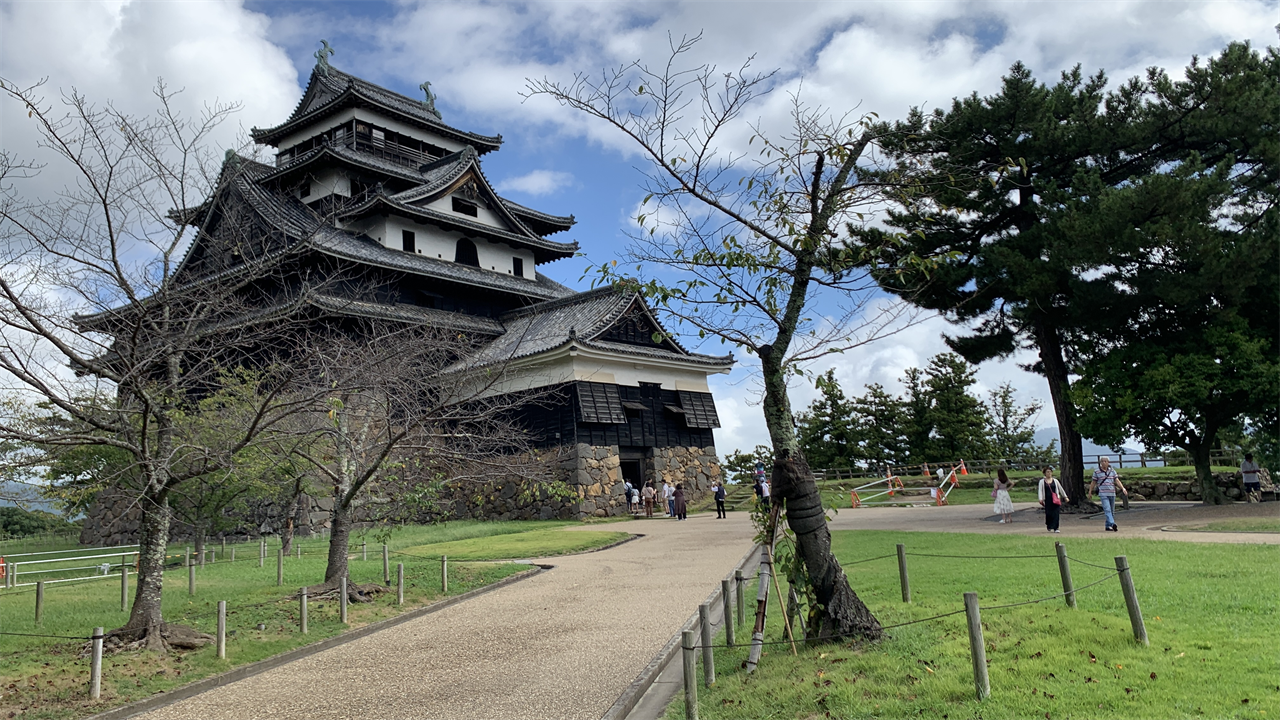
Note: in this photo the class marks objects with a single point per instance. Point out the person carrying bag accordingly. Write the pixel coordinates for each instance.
(1052, 495)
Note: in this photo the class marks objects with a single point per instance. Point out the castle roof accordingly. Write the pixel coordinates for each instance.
(330, 90)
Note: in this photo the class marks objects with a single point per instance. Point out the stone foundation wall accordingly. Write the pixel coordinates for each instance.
(1156, 487)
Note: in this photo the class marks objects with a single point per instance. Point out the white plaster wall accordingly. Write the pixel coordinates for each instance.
(484, 215)
(433, 242)
(330, 181)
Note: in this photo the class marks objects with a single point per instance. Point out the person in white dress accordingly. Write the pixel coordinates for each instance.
(1004, 505)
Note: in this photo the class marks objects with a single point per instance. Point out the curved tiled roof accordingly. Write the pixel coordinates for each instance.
(328, 93)
(544, 223)
(579, 319)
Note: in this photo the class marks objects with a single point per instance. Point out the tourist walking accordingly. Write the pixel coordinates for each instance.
(1252, 481)
(679, 507)
(718, 487)
(1051, 498)
(1004, 506)
(1105, 482)
(635, 500)
(764, 495)
(648, 494)
(669, 496)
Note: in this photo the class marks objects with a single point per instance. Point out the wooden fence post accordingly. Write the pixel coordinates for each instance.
(342, 601)
(95, 665)
(280, 567)
(39, 601)
(364, 551)
(688, 645)
(738, 581)
(233, 554)
(222, 629)
(203, 555)
(399, 583)
(977, 646)
(444, 573)
(1064, 569)
(386, 565)
(1131, 600)
(191, 579)
(708, 657)
(902, 573)
(302, 610)
(727, 602)
(262, 551)
(124, 588)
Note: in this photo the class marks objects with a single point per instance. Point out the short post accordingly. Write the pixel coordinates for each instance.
(262, 552)
(297, 548)
(191, 579)
(95, 665)
(399, 583)
(186, 555)
(233, 554)
(738, 581)
(302, 610)
(364, 551)
(1131, 600)
(203, 555)
(977, 646)
(444, 573)
(39, 600)
(386, 565)
(708, 659)
(1064, 569)
(124, 588)
(689, 646)
(279, 567)
(222, 629)
(728, 612)
(762, 605)
(902, 573)
(342, 601)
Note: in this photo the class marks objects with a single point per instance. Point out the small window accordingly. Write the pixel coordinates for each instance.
(517, 267)
(379, 136)
(465, 207)
(407, 240)
(466, 253)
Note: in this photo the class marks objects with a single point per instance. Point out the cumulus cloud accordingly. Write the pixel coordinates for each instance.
(538, 182)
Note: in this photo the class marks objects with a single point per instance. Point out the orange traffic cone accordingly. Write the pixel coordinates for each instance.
(963, 469)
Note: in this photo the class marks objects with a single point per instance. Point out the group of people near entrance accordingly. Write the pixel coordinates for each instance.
(1052, 495)
(670, 496)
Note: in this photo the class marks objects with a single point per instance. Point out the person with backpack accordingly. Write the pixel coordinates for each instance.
(720, 496)
(1052, 496)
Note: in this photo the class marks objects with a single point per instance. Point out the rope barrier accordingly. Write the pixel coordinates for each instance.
(1082, 562)
(982, 557)
(859, 562)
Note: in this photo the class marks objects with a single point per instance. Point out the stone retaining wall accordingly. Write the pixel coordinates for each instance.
(1187, 487)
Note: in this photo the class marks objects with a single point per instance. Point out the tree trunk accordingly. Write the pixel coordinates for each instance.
(198, 531)
(339, 536)
(145, 617)
(1200, 456)
(1071, 457)
(286, 534)
(838, 611)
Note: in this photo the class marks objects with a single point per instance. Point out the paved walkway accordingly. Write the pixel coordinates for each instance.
(563, 644)
(1143, 520)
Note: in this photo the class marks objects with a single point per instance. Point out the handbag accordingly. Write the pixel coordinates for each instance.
(993, 494)
(1056, 498)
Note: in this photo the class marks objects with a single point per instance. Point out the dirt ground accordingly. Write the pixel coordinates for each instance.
(1148, 520)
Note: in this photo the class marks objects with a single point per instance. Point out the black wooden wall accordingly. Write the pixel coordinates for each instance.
(652, 417)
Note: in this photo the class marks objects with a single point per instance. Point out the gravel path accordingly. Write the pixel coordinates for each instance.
(563, 644)
(1144, 520)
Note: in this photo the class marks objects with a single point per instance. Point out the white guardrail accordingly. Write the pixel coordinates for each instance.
(13, 570)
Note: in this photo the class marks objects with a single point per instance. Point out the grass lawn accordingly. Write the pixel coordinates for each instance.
(1211, 614)
(46, 678)
(1249, 525)
(533, 543)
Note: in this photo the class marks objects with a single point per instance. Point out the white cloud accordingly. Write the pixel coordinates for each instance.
(538, 182)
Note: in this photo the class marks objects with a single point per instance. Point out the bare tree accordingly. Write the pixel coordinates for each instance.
(762, 249)
(102, 323)
(402, 417)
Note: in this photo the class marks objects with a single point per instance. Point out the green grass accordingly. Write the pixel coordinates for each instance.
(1211, 615)
(838, 496)
(1245, 525)
(534, 543)
(46, 678)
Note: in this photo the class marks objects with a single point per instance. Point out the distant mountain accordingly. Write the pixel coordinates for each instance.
(1044, 435)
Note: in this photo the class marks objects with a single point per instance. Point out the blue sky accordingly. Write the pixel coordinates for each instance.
(879, 56)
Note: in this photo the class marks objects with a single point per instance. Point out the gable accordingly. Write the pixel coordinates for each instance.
(636, 326)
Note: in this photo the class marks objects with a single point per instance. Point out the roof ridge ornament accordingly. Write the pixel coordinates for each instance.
(430, 101)
(322, 58)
